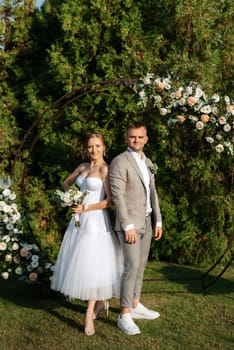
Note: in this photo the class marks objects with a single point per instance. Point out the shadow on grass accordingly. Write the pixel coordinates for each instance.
(34, 297)
(159, 278)
(172, 278)
(55, 304)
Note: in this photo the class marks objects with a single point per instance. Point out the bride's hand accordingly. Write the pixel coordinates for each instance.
(77, 209)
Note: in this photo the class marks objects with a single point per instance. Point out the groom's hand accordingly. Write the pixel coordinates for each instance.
(157, 233)
(131, 236)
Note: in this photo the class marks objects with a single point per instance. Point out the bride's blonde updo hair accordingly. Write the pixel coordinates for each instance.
(100, 136)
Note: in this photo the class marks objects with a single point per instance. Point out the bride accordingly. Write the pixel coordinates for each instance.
(88, 263)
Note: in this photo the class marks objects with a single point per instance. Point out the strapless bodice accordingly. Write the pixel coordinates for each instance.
(94, 186)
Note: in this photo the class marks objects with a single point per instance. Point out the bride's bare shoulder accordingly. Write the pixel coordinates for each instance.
(83, 166)
(104, 170)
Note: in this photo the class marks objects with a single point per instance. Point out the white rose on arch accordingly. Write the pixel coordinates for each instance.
(211, 115)
(25, 260)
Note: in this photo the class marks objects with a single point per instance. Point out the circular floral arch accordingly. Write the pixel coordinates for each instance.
(212, 115)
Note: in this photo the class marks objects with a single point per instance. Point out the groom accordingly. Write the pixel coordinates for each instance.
(137, 209)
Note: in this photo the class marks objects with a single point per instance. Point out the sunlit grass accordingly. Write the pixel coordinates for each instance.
(190, 319)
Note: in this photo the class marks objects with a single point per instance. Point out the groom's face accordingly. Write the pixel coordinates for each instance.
(136, 139)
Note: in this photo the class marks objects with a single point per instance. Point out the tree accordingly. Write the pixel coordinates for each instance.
(15, 21)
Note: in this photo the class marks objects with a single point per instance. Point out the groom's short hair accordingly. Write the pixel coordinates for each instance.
(136, 125)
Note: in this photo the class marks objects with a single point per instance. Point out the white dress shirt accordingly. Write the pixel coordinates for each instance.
(145, 174)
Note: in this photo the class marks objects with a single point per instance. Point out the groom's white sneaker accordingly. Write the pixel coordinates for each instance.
(127, 325)
(141, 312)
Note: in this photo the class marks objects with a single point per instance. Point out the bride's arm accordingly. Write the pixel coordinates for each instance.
(81, 208)
(72, 177)
(105, 203)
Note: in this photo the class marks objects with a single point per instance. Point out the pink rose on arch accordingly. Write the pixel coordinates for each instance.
(33, 276)
(160, 85)
(230, 108)
(180, 118)
(205, 118)
(191, 101)
(23, 252)
(222, 120)
(178, 94)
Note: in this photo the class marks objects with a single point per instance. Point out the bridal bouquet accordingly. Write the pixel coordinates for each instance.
(71, 197)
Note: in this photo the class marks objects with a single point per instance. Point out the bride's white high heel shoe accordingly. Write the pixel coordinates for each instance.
(89, 326)
(89, 331)
(98, 311)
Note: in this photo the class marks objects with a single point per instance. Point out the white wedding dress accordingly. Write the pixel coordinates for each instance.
(89, 263)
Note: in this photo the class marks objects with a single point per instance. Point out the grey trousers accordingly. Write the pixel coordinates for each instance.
(135, 260)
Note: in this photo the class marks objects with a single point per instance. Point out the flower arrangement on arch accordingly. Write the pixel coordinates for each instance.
(17, 256)
(213, 115)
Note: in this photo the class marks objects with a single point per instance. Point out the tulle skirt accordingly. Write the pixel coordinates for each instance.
(89, 263)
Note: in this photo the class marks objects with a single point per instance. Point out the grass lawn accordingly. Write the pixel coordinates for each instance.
(190, 319)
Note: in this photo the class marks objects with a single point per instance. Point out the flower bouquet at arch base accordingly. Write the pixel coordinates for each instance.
(70, 198)
(20, 255)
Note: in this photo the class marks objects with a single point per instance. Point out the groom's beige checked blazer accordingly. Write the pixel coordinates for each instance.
(129, 192)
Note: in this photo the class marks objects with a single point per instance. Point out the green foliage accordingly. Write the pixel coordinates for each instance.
(197, 210)
(49, 55)
(42, 216)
